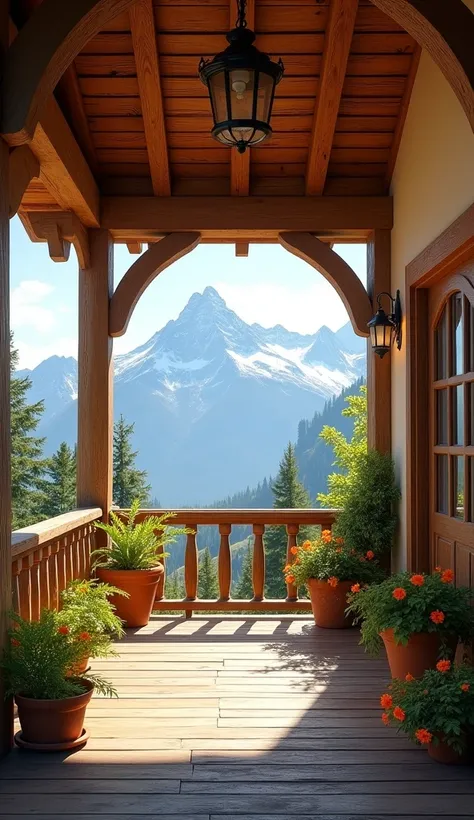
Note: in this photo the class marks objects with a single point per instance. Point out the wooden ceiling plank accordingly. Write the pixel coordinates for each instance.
(397, 136)
(240, 163)
(148, 76)
(340, 29)
(71, 100)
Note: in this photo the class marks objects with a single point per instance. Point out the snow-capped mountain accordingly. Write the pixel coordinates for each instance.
(213, 399)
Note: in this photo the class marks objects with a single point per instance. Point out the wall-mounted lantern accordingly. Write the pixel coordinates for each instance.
(386, 328)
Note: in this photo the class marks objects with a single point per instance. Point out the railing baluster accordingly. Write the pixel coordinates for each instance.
(292, 530)
(16, 569)
(62, 568)
(160, 590)
(191, 566)
(53, 576)
(224, 562)
(35, 591)
(258, 563)
(44, 600)
(24, 583)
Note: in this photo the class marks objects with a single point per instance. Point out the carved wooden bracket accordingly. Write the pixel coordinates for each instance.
(23, 168)
(59, 229)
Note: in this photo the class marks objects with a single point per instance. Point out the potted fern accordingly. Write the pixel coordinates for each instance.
(132, 560)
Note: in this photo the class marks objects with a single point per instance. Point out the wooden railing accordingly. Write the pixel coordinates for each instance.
(258, 520)
(46, 556)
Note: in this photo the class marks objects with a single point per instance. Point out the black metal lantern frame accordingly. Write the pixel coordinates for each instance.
(241, 82)
(386, 328)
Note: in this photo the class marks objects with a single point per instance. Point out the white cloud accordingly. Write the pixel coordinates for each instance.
(30, 355)
(27, 308)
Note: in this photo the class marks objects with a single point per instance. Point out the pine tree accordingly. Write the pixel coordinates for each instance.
(27, 464)
(288, 492)
(173, 587)
(60, 487)
(208, 588)
(348, 453)
(129, 483)
(244, 587)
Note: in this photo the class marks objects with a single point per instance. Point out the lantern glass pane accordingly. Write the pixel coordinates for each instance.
(242, 84)
(218, 96)
(264, 99)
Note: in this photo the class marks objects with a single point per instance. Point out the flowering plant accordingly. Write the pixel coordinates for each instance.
(90, 617)
(437, 707)
(329, 559)
(409, 603)
(39, 656)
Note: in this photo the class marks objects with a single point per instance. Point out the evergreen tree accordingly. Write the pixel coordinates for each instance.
(288, 492)
(174, 588)
(129, 483)
(27, 464)
(244, 587)
(60, 487)
(208, 588)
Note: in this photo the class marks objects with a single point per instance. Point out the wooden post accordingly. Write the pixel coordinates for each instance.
(379, 377)
(95, 392)
(258, 563)
(224, 563)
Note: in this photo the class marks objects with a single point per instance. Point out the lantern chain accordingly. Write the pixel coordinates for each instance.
(241, 22)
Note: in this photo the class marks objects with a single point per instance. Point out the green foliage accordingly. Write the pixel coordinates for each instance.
(329, 559)
(406, 603)
(347, 452)
(440, 703)
(86, 610)
(59, 488)
(27, 464)
(368, 519)
(136, 546)
(174, 588)
(244, 588)
(129, 483)
(39, 657)
(208, 588)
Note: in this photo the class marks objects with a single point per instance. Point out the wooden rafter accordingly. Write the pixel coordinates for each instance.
(135, 247)
(240, 163)
(241, 249)
(337, 45)
(148, 75)
(70, 97)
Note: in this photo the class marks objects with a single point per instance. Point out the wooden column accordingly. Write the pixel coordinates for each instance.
(95, 411)
(379, 376)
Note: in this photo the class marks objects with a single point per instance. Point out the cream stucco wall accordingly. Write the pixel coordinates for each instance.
(433, 184)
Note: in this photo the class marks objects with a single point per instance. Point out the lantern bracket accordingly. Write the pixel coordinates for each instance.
(395, 317)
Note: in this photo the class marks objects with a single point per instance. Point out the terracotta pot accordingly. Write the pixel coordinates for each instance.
(329, 603)
(53, 722)
(78, 668)
(141, 585)
(443, 753)
(420, 653)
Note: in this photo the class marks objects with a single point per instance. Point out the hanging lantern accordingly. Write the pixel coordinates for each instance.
(386, 328)
(241, 82)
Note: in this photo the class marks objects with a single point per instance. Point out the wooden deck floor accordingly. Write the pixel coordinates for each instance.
(238, 718)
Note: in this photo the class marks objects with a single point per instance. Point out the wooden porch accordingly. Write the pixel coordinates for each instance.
(238, 717)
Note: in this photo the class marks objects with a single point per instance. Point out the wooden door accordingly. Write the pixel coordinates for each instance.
(451, 400)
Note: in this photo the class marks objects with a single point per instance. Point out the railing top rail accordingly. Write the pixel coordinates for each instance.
(30, 538)
(194, 517)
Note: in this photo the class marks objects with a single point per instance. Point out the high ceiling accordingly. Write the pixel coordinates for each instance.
(142, 117)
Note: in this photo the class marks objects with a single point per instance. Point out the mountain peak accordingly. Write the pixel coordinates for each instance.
(208, 298)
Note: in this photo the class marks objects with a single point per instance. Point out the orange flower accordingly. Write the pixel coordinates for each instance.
(385, 719)
(326, 532)
(399, 714)
(447, 576)
(290, 579)
(423, 736)
(443, 666)
(63, 630)
(333, 581)
(355, 588)
(339, 540)
(465, 687)
(84, 636)
(386, 701)
(399, 594)
(307, 546)
(369, 555)
(417, 580)
(294, 550)
(287, 568)
(437, 616)
(409, 677)
(297, 561)
(14, 642)
(438, 569)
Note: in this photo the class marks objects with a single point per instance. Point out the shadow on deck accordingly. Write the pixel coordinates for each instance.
(238, 718)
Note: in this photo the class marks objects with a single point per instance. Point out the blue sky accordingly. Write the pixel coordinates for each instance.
(271, 287)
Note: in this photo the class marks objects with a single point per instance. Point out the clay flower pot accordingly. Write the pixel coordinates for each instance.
(329, 603)
(420, 653)
(443, 753)
(77, 670)
(53, 722)
(141, 586)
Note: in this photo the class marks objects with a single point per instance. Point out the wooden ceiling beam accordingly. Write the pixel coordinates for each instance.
(240, 163)
(23, 168)
(72, 102)
(142, 25)
(337, 45)
(241, 249)
(135, 247)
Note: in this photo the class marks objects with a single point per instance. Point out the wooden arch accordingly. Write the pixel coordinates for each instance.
(57, 31)
(158, 257)
(341, 276)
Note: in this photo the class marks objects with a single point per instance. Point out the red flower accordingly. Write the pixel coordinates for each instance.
(294, 550)
(409, 677)
(333, 581)
(447, 576)
(399, 594)
(14, 642)
(63, 630)
(423, 736)
(355, 588)
(339, 540)
(417, 580)
(399, 714)
(369, 555)
(84, 636)
(443, 666)
(386, 701)
(385, 719)
(437, 616)
(465, 687)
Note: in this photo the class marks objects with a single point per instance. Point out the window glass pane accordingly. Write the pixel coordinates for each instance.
(442, 484)
(458, 466)
(441, 417)
(458, 415)
(458, 342)
(441, 338)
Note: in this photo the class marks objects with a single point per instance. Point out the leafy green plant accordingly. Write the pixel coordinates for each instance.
(439, 707)
(329, 559)
(39, 656)
(410, 603)
(137, 545)
(347, 452)
(86, 610)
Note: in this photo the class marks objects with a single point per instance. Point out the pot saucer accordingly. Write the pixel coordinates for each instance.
(52, 747)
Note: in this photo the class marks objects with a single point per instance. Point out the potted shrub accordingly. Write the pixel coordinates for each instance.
(330, 570)
(132, 562)
(436, 710)
(51, 704)
(86, 609)
(418, 618)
